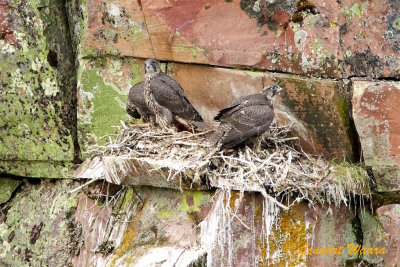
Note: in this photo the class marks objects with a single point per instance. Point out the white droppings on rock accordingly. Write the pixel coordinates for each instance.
(114, 11)
(300, 38)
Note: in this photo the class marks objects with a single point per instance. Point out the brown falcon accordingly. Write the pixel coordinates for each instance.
(136, 105)
(246, 117)
(166, 98)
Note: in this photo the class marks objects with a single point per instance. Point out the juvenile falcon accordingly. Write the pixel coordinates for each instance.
(246, 117)
(136, 105)
(167, 100)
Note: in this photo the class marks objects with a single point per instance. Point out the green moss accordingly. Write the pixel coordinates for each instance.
(353, 177)
(188, 196)
(28, 234)
(343, 106)
(7, 187)
(136, 73)
(39, 89)
(102, 108)
(255, 74)
(318, 111)
(38, 169)
(193, 50)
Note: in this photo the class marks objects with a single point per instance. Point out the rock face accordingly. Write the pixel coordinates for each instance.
(382, 230)
(369, 39)
(38, 225)
(38, 92)
(375, 106)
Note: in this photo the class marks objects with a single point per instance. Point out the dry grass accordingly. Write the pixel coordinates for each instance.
(273, 167)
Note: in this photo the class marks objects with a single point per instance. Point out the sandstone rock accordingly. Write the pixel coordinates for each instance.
(116, 27)
(375, 109)
(38, 88)
(389, 218)
(147, 228)
(149, 225)
(102, 91)
(381, 230)
(7, 187)
(286, 36)
(38, 226)
(369, 39)
(318, 109)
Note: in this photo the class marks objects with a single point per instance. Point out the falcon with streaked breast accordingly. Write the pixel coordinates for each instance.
(247, 117)
(167, 100)
(136, 105)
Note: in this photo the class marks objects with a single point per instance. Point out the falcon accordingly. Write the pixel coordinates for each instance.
(136, 105)
(167, 100)
(246, 117)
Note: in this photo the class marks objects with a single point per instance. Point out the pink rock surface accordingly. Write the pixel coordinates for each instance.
(389, 217)
(317, 109)
(375, 111)
(369, 36)
(280, 36)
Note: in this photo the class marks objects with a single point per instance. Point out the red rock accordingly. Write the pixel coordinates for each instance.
(370, 38)
(293, 233)
(318, 109)
(116, 27)
(375, 111)
(221, 33)
(389, 217)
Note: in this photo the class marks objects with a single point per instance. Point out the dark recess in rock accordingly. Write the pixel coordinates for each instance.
(52, 59)
(35, 233)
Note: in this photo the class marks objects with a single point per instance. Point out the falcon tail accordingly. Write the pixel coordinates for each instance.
(217, 135)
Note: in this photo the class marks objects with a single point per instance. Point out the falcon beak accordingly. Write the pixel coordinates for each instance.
(278, 90)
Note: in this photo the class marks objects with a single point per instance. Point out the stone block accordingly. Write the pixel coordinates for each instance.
(116, 27)
(102, 89)
(146, 226)
(369, 38)
(38, 84)
(381, 230)
(318, 109)
(375, 111)
(287, 36)
(38, 225)
(235, 231)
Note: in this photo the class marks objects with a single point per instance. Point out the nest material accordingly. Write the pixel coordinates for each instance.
(271, 165)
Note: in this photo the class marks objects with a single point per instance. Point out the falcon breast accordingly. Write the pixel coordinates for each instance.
(167, 100)
(136, 105)
(246, 117)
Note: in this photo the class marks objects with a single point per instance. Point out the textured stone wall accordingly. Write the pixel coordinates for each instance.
(67, 66)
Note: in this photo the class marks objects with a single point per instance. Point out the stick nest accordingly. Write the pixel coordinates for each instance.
(271, 165)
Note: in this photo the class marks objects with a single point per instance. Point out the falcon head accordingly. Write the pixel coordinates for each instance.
(271, 91)
(151, 67)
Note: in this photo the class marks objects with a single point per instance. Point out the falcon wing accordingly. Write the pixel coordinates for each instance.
(133, 99)
(242, 102)
(136, 105)
(246, 123)
(170, 95)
